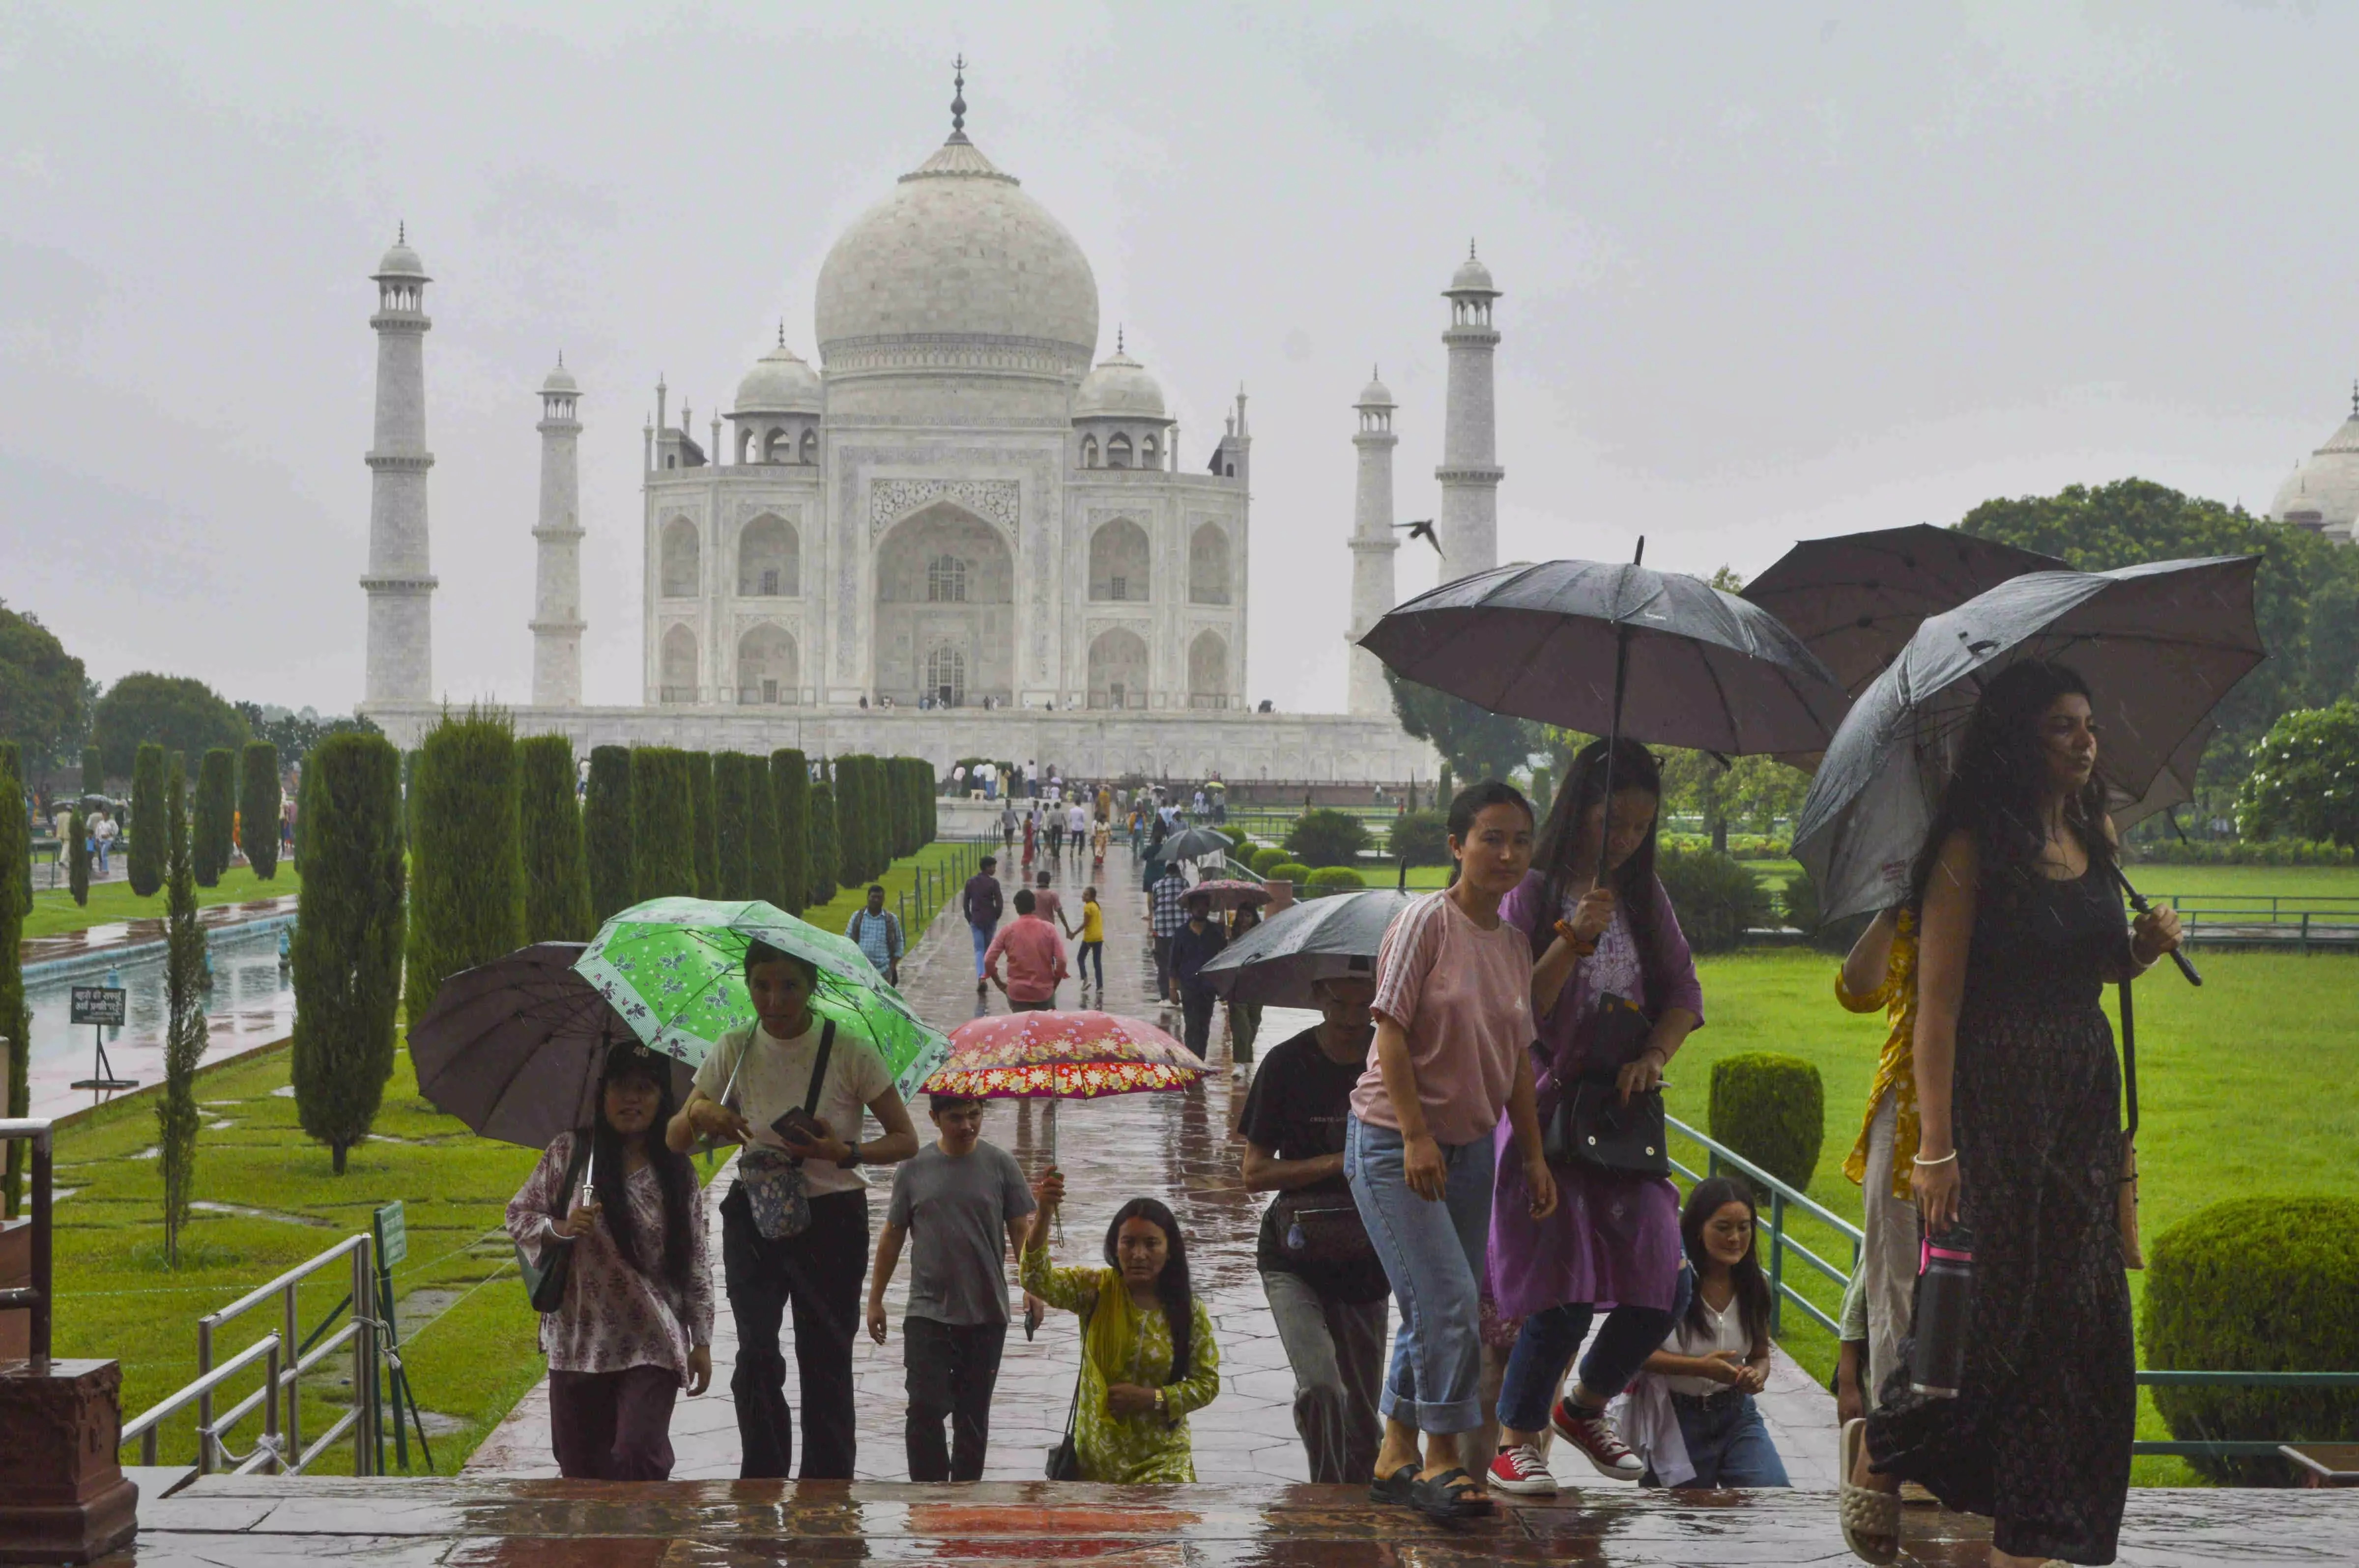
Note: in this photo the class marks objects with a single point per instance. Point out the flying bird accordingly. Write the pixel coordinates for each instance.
(1422, 529)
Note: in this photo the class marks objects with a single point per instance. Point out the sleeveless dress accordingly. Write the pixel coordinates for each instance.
(2038, 1436)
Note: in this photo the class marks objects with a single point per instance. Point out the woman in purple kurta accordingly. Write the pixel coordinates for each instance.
(1614, 1240)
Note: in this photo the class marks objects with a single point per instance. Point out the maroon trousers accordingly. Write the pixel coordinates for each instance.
(613, 1426)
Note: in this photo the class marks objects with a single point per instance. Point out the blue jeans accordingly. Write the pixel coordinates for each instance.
(982, 934)
(1547, 1340)
(1433, 1254)
(1727, 1443)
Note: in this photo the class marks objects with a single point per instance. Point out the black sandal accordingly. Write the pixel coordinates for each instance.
(1452, 1495)
(1398, 1487)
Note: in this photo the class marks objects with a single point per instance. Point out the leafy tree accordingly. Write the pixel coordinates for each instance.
(147, 853)
(1750, 791)
(764, 877)
(1476, 743)
(2304, 777)
(346, 952)
(184, 1017)
(556, 876)
(295, 733)
(1326, 838)
(40, 686)
(606, 827)
(178, 713)
(78, 859)
(260, 798)
(15, 1022)
(733, 847)
(466, 901)
(93, 772)
(209, 847)
(663, 824)
(706, 829)
(825, 850)
(791, 796)
(1422, 837)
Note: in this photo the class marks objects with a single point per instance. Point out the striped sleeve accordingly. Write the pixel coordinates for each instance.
(1411, 946)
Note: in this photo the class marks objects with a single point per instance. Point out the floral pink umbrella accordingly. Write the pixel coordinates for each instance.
(1228, 893)
(1062, 1055)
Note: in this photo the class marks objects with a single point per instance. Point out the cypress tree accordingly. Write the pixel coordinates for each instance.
(466, 904)
(346, 956)
(209, 843)
(764, 877)
(876, 825)
(733, 846)
(556, 878)
(897, 804)
(78, 859)
(790, 799)
(825, 850)
(94, 772)
(15, 1022)
(606, 827)
(663, 825)
(853, 822)
(259, 800)
(707, 839)
(184, 1014)
(147, 868)
(21, 886)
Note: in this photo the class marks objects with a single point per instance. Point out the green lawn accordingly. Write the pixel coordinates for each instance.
(2215, 1068)
(55, 912)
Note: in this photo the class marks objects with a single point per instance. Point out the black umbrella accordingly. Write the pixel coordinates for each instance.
(1856, 598)
(2160, 646)
(1277, 961)
(513, 1047)
(1194, 844)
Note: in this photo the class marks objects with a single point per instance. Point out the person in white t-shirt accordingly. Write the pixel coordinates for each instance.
(756, 1078)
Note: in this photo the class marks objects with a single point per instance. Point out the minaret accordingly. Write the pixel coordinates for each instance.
(400, 582)
(556, 623)
(1470, 470)
(1372, 545)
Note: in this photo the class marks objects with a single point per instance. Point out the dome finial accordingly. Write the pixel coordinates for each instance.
(957, 98)
(401, 233)
(782, 331)
(1470, 247)
(1120, 350)
(2354, 400)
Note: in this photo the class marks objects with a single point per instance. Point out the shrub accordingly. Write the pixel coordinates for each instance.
(1326, 838)
(705, 824)
(260, 799)
(2242, 852)
(15, 864)
(732, 848)
(2264, 1284)
(1422, 836)
(94, 772)
(663, 825)
(174, 711)
(1772, 1110)
(345, 955)
(1266, 858)
(21, 828)
(1798, 905)
(790, 797)
(78, 858)
(606, 832)
(147, 868)
(466, 900)
(1293, 871)
(1717, 899)
(548, 821)
(1329, 880)
(762, 873)
(826, 851)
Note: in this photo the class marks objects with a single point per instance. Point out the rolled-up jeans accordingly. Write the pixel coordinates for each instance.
(1433, 1254)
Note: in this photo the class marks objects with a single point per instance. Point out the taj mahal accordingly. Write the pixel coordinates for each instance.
(963, 531)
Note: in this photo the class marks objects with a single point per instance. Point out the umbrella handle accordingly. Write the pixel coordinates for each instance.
(2138, 902)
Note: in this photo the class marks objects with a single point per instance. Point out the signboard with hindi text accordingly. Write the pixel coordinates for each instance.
(96, 1004)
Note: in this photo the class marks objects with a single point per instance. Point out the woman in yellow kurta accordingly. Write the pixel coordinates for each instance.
(1130, 1424)
(1881, 972)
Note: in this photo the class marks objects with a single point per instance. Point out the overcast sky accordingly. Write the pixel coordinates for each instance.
(1770, 272)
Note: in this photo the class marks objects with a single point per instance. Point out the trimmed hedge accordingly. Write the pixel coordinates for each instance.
(466, 896)
(346, 955)
(14, 751)
(790, 798)
(763, 877)
(78, 858)
(1293, 871)
(1716, 897)
(1326, 838)
(2262, 1284)
(1772, 1109)
(556, 872)
(663, 825)
(260, 800)
(94, 772)
(1267, 858)
(1799, 906)
(215, 825)
(732, 825)
(16, 865)
(147, 868)
(1422, 836)
(705, 824)
(606, 833)
(1329, 880)
(826, 851)
(2243, 852)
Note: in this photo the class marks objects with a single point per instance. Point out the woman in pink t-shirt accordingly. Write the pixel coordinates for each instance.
(1451, 1053)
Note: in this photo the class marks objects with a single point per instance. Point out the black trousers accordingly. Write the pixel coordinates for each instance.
(1163, 967)
(951, 1370)
(819, 1274)
(1196, 1007)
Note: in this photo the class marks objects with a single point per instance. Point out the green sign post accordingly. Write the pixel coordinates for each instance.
(392, 1227)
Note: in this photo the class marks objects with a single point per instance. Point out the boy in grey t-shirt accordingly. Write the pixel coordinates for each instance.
(966, 1201)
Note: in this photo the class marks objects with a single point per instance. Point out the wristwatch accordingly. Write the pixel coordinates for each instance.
(850, 1158)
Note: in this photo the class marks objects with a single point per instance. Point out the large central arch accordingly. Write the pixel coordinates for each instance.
(945, 582)
(1118, 669)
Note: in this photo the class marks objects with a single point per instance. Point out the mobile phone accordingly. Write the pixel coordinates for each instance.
(799, 1126)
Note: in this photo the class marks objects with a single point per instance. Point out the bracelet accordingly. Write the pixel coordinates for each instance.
(1944, 1160)
(1581, 949)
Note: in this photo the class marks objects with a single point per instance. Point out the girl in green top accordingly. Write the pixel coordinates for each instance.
(1131, 1421)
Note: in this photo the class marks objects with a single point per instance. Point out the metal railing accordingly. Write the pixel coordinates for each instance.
(1785, 1200)
(267, 1452)
(34, 1300)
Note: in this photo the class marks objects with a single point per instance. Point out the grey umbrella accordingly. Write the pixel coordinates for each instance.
(1856, 598)
(1194, 844)
(1276, 962)
(2160, 644)
(513, 1047)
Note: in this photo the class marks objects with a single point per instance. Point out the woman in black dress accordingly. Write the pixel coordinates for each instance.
(2019, 1096)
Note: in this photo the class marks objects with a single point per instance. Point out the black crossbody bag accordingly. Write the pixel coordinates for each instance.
(1065, 1458)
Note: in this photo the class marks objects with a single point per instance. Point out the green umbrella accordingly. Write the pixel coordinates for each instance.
(674, 968)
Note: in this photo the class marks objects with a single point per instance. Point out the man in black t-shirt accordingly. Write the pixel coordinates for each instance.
(1326, 1287)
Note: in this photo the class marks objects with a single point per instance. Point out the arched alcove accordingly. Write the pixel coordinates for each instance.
(1208, 671)
(1118, 669)
(678, 682)
(681, 579)
(1119, 557)
(767, 666)
(1118, 450)
(944, 579)
(1208, 564)
(769, 559)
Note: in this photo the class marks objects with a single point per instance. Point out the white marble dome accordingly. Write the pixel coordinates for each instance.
(1471, 277)
(1119, 388)
(1375, 395)
(401, 261)
(779, 383)
(2322, 494)
(958, 267)
(560, 383)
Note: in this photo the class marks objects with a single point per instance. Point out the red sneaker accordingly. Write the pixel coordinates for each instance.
(1521, 1470)
(1594, 1437)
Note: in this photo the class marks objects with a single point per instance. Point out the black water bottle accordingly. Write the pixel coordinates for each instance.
(1945, 1289)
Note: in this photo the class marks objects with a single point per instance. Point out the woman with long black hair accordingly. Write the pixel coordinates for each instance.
(1708, 1432)
(636, 1323)
(1614, 1235)
(2018, 1099)
(1147, 1353)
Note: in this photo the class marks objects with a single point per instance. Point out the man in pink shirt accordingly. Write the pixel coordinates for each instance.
(1035, 959)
